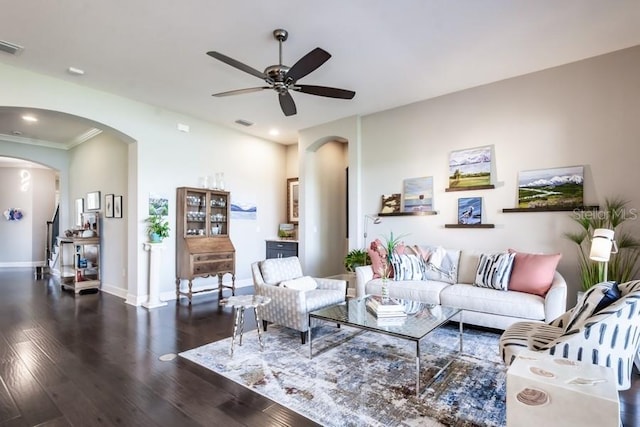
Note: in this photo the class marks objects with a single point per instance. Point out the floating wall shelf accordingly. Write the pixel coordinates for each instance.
(552, 209)
(469, 226)
(420, 213)
(477, 187)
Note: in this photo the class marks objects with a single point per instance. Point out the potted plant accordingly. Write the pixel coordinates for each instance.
(622, 266)
(157, 228)
(355, 258)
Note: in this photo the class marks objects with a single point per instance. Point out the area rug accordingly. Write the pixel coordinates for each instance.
(358, 378)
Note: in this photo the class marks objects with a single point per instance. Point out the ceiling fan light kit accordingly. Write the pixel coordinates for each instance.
(282, 78)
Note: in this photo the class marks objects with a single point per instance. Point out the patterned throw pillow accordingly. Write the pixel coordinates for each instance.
(494, 271)
(407, 266)
(442, 265)
(304, 283)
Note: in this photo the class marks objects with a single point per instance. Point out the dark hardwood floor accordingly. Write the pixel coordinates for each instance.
(91, 360)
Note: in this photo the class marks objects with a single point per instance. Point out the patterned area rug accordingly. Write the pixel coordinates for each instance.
(360, 378)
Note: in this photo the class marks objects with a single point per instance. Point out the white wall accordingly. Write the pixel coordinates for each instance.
(161, 159)
(32, 190)
(585, 113)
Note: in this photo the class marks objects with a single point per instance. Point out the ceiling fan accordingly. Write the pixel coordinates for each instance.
(283, 78)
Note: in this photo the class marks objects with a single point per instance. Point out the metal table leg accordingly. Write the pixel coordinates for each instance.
(418, 368)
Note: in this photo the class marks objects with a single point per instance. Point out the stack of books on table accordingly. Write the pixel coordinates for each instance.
(385, 308)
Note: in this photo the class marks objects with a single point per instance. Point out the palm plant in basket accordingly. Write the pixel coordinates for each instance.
(623, 265)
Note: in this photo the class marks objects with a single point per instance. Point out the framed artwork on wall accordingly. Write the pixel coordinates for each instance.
(93, 201)
(391, 203)
(470, 168)
(418, 194)
(551, 188)
(108, 206)
(293, 200)
(470, 210)
(117, 207)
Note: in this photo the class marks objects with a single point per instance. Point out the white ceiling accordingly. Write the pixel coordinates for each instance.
(391, 53)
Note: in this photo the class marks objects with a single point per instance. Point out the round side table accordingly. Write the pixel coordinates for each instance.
(240, 303)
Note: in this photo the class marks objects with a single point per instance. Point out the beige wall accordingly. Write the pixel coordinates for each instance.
(585, 113)
(100, 164)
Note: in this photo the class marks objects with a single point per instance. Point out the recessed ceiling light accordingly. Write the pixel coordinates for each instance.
(75, 71)
(28, 118)
(274, 132)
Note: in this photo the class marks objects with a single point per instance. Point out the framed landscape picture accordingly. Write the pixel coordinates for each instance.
(551, 188)
(470, 210)
(470, 168)
(418, 194)
(391, 203)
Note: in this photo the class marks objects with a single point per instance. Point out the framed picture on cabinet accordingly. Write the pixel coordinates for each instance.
(108, 206)
(293, 200)
(117, 207)
(79, 210)
(93, 201)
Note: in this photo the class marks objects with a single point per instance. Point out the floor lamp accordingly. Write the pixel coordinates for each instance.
(376, 220)
(602, 246)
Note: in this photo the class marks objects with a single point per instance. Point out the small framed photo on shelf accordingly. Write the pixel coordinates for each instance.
(391, 203)
(108, 206)
(117, 207)
(470, 210)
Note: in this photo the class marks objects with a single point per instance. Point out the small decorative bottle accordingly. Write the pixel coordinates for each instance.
(385, 289)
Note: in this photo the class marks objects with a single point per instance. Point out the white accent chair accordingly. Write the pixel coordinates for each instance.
(290, 307)
(608, 338)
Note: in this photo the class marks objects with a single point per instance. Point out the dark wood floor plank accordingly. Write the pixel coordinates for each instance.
(39, 365)
(8, 408)
(29, 396)
(76, 407)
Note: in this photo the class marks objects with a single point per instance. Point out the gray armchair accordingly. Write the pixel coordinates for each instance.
(290, 307)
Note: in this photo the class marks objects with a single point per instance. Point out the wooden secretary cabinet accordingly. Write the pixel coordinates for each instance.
(203, 246)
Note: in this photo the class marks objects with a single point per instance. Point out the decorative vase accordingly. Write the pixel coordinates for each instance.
(155, 238)
(385, 289)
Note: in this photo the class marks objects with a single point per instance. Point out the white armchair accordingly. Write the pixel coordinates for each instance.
(609, 337)
(290, 307)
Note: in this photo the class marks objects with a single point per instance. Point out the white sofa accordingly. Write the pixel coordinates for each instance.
(490, 308)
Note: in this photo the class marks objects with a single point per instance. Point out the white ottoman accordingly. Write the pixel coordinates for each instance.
(544, 390)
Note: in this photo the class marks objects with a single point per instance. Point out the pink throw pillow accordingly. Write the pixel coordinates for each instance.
(376, 253)
(533, 273)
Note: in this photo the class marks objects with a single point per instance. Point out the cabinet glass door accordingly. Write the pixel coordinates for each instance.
(196, 213)
(218, 218)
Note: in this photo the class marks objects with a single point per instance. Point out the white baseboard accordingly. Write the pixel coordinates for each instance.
(114, 290)
(171, 295)
(22, 264)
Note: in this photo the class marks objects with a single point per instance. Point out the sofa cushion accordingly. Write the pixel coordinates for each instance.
(484, 300)
(494, 270)
(468, 266)
(304, 283)
(426, 291)
(533, 273)
(275, 270)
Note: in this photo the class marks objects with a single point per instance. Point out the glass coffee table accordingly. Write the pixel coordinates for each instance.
(421, 320)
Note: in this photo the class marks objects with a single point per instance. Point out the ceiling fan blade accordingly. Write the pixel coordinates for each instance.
(330, 92)
(241, 91)
(287, 104)
(308, 63)
(237, 64)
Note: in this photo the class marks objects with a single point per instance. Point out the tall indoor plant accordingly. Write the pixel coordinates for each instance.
(623, 265)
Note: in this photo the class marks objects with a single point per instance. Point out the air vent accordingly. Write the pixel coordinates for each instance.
(10, 48)
(243, 122)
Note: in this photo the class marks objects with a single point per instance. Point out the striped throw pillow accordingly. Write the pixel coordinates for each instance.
(494, 271)
(407, 266)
